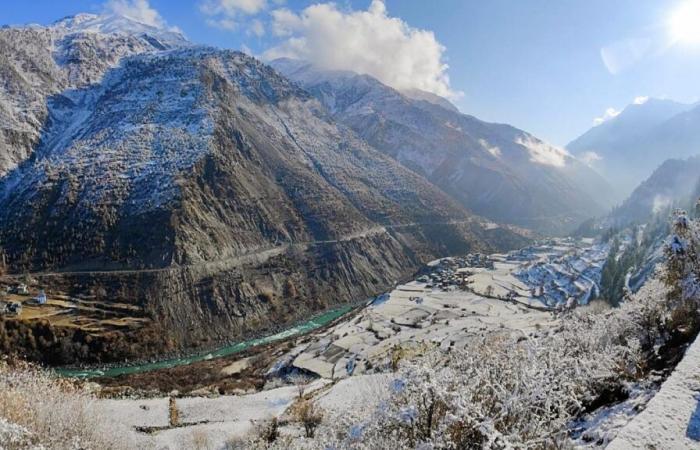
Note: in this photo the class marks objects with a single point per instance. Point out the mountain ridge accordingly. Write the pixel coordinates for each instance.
(628, 147)
(495, 170)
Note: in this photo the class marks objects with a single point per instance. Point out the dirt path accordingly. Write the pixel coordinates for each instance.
(257, 256)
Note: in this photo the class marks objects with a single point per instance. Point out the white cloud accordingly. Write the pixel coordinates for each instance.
(223, 24)
(138, 10)
(285, 22)
(231, 8)
(660, 203)
(640, 100)
(609, 113)
(590, 158)
(542, 152)
(368, 42)
(494, 150)
(224, 14)
(256, 28)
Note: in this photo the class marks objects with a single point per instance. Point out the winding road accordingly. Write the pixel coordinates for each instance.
(257, 256)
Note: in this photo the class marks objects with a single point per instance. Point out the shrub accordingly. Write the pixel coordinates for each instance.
(38, 410)
(309, 415)
(267, 431)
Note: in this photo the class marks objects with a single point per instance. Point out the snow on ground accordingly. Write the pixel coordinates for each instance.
(448, 308)
(599, 428)
(136, 413)
(204, 422)
(412, 315)
(671, 420)
(217, 420)
(362, 394)
(558, 273)
(461, 298)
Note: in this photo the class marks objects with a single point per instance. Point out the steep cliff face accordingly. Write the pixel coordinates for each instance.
(208, 190)
(215, 151)
(494, 170)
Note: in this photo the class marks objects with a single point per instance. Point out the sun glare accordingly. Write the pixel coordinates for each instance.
(684, 23)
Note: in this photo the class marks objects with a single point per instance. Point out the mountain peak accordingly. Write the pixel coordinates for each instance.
(494, 170)
(117, 24)
(654, 106)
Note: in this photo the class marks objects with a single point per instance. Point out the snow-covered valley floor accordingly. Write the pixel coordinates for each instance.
(348, 366)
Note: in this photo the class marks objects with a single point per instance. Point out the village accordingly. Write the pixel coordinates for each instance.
(24, 299)
(453, 301)
(556, 274)
(13, 298)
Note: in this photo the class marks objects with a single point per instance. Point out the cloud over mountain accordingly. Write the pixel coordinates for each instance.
(138, 10)
(369, 42)
(224, 14)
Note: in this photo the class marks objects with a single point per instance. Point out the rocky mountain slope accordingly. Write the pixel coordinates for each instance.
(200, 184)
(39, 62)
(495, 170)
(673, 183)
(628, 147)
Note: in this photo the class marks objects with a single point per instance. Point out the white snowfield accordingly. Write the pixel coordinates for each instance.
(414, 316)
(211, 422)
(671, 420)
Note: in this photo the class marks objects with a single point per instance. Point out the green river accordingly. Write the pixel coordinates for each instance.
(230, 349)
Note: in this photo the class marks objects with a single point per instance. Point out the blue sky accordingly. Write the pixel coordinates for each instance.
(547, 66)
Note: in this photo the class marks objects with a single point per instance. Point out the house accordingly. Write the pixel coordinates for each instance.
(41, 298)
(12, 309)
(21, 289)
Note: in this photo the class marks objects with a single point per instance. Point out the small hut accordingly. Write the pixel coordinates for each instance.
(22, 289)
(41, 298)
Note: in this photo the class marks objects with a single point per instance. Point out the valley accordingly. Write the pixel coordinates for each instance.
(449, 305)
(317, 244)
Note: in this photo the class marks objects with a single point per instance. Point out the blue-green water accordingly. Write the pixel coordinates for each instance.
(231, 349)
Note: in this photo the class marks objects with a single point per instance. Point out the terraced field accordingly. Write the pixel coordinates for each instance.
(86, 314)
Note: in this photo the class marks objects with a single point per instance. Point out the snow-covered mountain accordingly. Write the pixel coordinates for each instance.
(495, 170)
(117, 24)
(628, 147)
(200, 184)
(38, 62)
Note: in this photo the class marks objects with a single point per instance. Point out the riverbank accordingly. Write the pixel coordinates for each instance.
(316, 322)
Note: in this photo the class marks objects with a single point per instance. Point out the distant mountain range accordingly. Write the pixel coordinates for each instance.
(495, 170)
(627, 148)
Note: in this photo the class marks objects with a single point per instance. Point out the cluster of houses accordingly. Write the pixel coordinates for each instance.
(447, 274)
(14, 308)
(10, 309)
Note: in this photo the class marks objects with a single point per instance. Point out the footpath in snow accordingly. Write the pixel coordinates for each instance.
(671, 420)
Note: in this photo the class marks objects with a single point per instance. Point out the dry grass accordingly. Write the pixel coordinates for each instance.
(200, 441)
(40, 411)
(306, 413)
